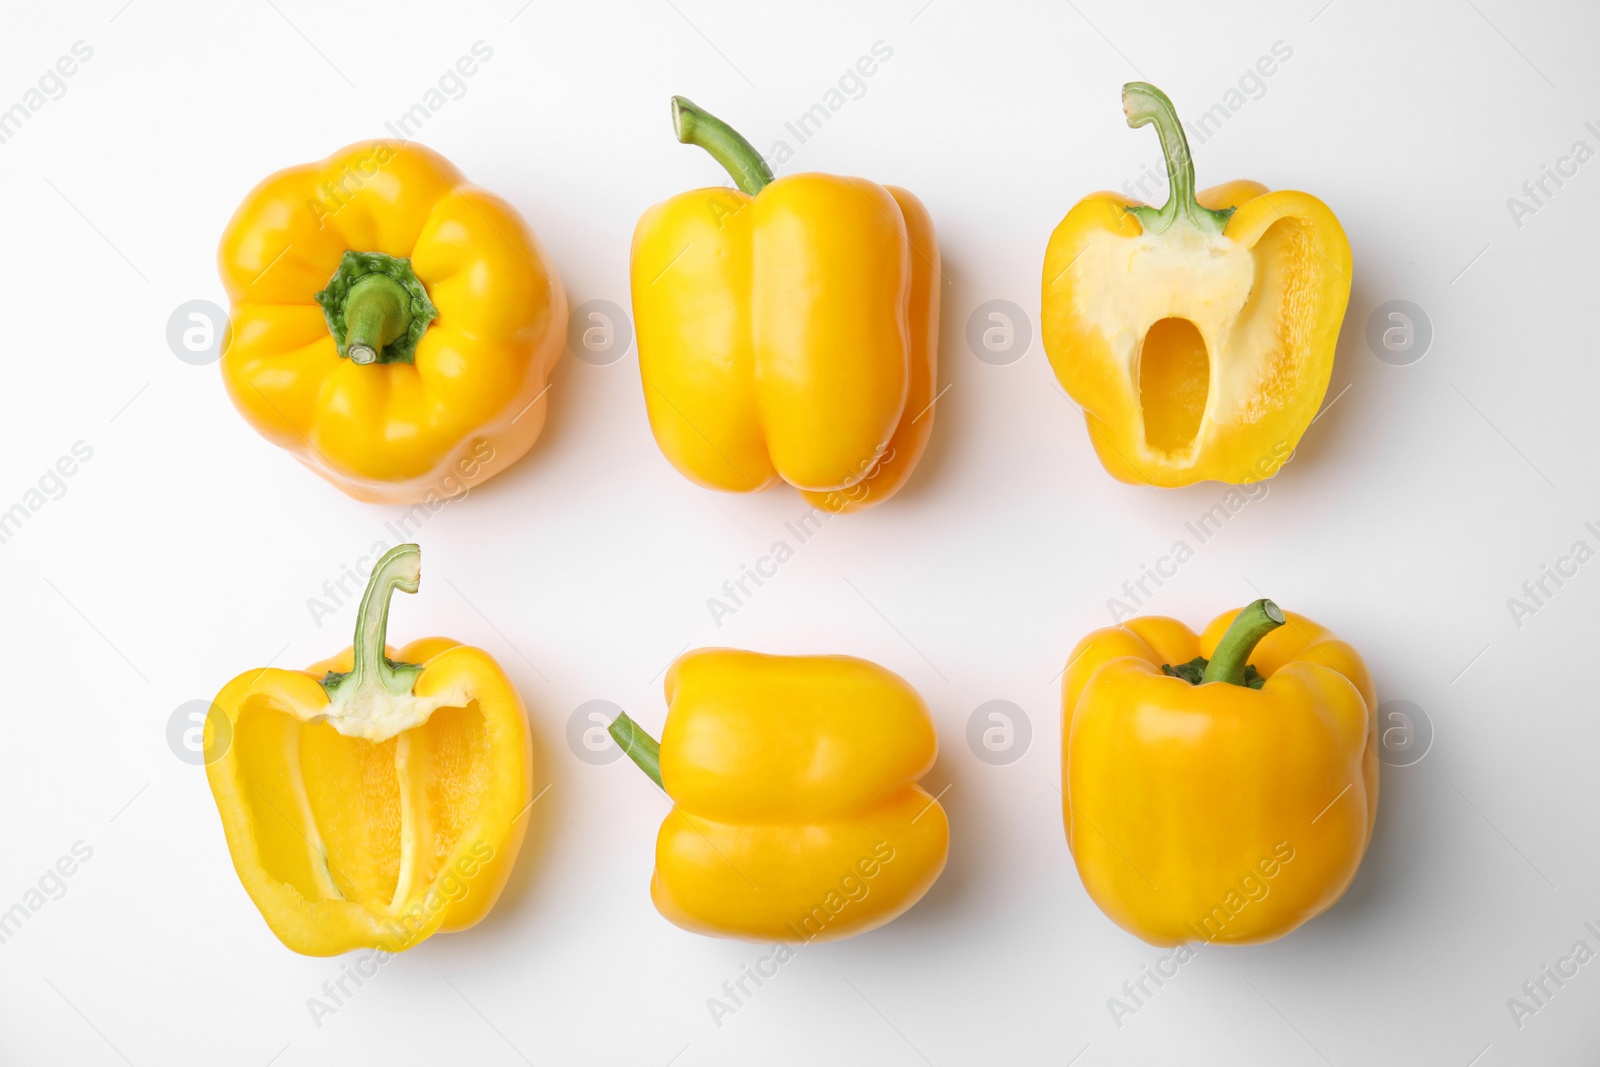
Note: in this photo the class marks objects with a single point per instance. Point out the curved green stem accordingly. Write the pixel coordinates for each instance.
(737, 156)
(376, 308)
(1144, 104)
(376, 314)
(1252, 623)
(400, 568)
(640, 746)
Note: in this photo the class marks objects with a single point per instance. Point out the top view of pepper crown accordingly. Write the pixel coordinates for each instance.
(1219, 787)
(787, 329)
(1198, 336)
(393, 327)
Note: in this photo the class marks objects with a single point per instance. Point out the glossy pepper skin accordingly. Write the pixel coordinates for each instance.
(375, 805)
(428, 378)
(1198, 337)
(796, 814)
(1217, 811)
(787, 329)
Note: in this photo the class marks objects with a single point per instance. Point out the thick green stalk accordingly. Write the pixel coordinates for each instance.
(1144, 104)
(400, 568)
(640, 746)
(376, 313)
(1232, 656)
(737, 156)
(376, 307)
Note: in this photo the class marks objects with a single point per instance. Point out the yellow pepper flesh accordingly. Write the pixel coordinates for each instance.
(1199, 337)
(377, 815)
(788, 333)
(468, 401)
(1217, 812)
(796, 814)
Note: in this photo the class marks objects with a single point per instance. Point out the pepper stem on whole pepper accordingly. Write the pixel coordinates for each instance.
(643, 749)
(1232, 656)
(1144, 104)
(737, 156)
(376, 313)
(373, 672)
(376, 308)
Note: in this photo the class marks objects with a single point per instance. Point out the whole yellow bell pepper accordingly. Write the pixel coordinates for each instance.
(1220, 788)
(796, 814)
(393, 327)
(378, 797)
(787, 329)
(1199, 336)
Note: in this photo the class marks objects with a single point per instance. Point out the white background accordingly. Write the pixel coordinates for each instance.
(186, 549)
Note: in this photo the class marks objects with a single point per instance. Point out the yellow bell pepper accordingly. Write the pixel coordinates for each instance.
(1220, 788)
(1199, 336)
(787, 329)
(393, 327)
(796, 814)
(378, 797)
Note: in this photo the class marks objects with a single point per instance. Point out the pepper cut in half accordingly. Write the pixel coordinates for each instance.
(393, 327)
(787, 329)
(378, 797)
(796, 814)
(1218, 788)
(1198, 336)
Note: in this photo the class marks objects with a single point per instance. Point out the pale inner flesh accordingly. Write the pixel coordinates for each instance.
(347, 818)
(1192, 323)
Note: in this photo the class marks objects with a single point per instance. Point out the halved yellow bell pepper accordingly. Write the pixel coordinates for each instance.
(393, 327)
(1199, 336)
(1219, 788)
(796, 814)
(377, 797)
(787, 329)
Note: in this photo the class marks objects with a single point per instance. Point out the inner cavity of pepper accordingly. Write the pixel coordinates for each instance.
(1174, 383)
(366, 821)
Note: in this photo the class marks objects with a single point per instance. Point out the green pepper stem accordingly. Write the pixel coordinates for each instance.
(737, 156)
(400, 568)
(376, 313)
(1144, 104)
(1252, 623)
(640, 746)
(376, 307)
